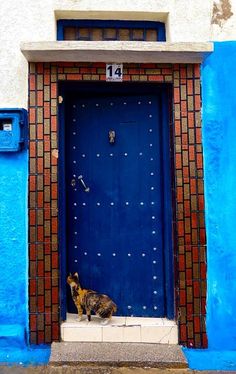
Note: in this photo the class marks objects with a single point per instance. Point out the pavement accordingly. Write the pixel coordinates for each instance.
(65, 369)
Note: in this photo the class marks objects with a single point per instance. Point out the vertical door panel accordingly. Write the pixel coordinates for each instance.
(114, 231)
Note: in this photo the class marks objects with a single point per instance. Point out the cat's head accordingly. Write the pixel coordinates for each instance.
(73, 280)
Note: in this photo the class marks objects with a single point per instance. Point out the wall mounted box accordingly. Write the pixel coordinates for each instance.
(13, 129)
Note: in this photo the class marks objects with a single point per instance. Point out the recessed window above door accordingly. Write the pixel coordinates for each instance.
(95, 30)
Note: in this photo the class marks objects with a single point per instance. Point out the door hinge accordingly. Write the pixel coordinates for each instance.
(60, 99)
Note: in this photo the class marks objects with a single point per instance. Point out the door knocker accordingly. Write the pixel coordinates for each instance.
(112, 135)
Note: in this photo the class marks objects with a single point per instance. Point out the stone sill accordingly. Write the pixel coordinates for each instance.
(116, 51)
(120, 329)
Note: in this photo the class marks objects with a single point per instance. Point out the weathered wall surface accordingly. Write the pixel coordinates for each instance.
(26, 20)
(219, 135)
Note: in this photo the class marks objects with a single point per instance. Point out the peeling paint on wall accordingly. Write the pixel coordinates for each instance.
(221, 12)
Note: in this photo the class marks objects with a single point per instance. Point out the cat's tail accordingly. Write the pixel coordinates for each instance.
(114, 307)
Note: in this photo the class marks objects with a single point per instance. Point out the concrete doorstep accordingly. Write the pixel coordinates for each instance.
(118, 355)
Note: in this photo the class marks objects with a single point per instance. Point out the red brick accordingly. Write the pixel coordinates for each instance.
(32, 287)
(182, 72)
(166, 71)
(32, 82)
(179, 194)
(32, 218)
(48, 283)
(40, 199)
(185, 140)
(187, 238)
(190, 119)
(203, 270)
(156, 78)
(54, 225)
(197, 71)
(54, 123)
(148, 66)
(40, 267)
(189, 87)
(54, 260)
(39, 67)
(54, 191)
(47, 214)
(55, 331)
(196, 289)
(40, 165)
(204, 340)
(55, 295)
(177, 128)
(186, 208)
(40, 304)
(47, 143)
(189, 311)
(182, 297)
(201, 202)
(53, 90)
(193, 190)
(198, 135)
(32, 115)
(46, 110)
(180, 225)
(32, 149)
(39, 131)
(32, 183)
(41, 337)
(195, 254)
(48, 317)
(178, 160)
(126, 78)
(197, 327)
(191, 153)
(184, 107)
(40, 98)
(47, 178)
(32, 252)
(197, 102)
(183, 333)
(46, 79)
(189, 277)
(181, 263)
(40, 232)
(74, 77)
(176, 95)
(33, 322)
(199, 160)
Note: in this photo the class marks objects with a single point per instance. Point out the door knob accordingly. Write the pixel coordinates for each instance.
(80, 178)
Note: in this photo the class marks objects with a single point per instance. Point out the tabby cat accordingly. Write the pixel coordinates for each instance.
(90, 301)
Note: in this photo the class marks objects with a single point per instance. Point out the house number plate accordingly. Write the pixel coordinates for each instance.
(114, 72)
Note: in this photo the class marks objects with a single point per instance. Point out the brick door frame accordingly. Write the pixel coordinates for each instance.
(188, 193)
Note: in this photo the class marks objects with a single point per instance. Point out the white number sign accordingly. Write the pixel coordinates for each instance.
(114, 72)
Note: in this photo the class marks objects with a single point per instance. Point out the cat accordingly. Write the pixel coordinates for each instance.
(90, 301)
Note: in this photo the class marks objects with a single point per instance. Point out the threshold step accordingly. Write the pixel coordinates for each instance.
(118, 354)
(120, 329)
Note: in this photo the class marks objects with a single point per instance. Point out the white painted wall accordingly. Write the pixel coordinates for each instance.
(33, 20)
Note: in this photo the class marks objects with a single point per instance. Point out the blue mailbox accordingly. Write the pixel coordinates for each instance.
(13, 129)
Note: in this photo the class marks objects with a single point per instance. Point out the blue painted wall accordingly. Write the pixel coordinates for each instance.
(13, 246)
(219, 142)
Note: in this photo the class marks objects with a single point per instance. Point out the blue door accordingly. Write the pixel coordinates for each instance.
(115, 200)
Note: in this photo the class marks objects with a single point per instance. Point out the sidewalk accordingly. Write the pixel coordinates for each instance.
(100, 370)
